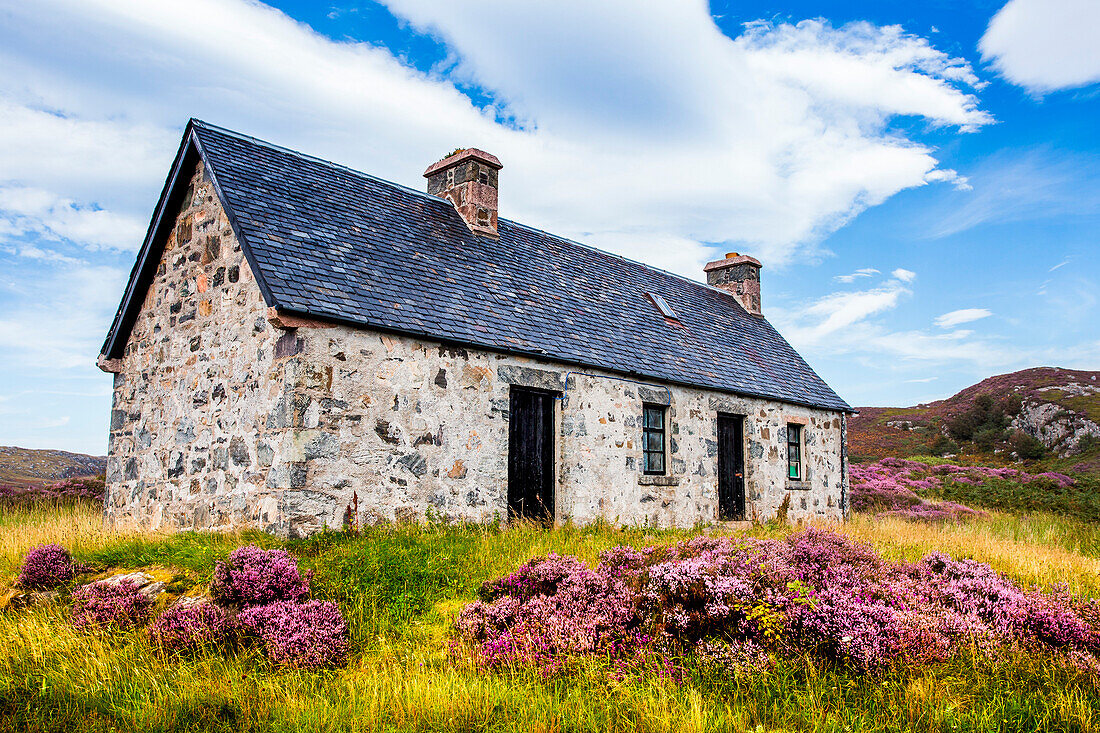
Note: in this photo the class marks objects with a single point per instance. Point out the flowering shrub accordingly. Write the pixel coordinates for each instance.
(815, 592)
(254, 577)
(89, 489)
(892, 485)
(549, 609)
(188, 627)
(46, 566)
(120, 605)
(307, 635)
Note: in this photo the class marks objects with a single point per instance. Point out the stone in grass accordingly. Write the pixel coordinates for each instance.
(146, 584)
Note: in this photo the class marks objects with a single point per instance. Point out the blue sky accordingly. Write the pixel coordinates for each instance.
(920, 179)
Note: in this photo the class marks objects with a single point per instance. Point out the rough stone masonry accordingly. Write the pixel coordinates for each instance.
(227, 413)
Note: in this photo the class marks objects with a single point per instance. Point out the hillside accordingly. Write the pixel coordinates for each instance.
(27, 467)
(1058, 407)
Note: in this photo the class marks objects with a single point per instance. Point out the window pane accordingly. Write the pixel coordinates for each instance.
(656, 462)
(793, 472)
(654, 417)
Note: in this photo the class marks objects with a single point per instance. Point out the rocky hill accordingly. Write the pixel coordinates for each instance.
(27, 467)
(1058, 407)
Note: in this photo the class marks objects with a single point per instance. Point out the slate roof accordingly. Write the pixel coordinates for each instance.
(328, 242)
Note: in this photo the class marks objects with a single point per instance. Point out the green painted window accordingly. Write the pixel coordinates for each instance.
(794, 452)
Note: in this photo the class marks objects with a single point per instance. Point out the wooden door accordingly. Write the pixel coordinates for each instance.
(731, 467)
(531, 455)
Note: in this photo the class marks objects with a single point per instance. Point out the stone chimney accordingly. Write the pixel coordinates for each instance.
(468, 179)
(738, 275)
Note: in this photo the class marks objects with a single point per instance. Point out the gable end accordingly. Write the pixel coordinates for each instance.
(189, 154)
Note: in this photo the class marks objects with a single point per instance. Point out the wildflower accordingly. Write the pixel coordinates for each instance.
(119, 605)
(187, 627)
(45, 567)
(254, 576)
(308, 635)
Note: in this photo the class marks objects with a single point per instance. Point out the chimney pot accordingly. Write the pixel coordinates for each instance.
(738, 275)
(468, 178)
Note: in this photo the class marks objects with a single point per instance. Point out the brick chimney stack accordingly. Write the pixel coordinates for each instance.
(468, 179)
(738, 275)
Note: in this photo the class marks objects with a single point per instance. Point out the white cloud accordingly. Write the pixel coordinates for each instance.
(644, 130)
(923, 380)
(767, 141)
(853, 276)
(32, 210)
(58, 322)
(821, 320)
(964, 315)
(850, 326)
(906, 276)
(1045, 45)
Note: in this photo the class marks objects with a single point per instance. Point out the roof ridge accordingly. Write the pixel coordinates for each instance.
(316, 159)
(427, 196)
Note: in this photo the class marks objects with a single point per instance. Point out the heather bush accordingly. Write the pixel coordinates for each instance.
(45, 567)
(816, 593)
(898, 487)
(103, 604)
(308, 635)
(189, 627)
(254, 577)
(69, 491)
(550, 609)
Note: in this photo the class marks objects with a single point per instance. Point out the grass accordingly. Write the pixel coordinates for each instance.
(1082, 500)
(400, 587)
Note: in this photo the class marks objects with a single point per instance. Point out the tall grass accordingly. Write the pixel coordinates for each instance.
(400, 587)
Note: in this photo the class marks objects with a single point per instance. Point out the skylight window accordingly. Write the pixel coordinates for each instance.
(663, 306)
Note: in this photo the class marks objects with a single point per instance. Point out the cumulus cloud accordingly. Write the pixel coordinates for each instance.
(1045, 45)
(26, 210)
(964, 315)
(641, 129)
(646, 125)
(906, 276)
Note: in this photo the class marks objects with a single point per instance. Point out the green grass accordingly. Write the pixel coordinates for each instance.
(400, 587)
(1081, 501)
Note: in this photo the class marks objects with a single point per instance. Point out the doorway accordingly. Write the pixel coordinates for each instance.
(531, 455)
(731, 467)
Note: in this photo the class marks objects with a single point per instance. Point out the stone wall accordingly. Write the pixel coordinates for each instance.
(223, 419)
(416, 428)
(197, 384)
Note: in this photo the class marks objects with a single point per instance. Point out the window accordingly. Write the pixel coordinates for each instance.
(794, 452)
(653, 440)
(482, 175)
(663, 306)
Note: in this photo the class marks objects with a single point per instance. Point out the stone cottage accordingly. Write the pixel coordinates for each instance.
(300, 343)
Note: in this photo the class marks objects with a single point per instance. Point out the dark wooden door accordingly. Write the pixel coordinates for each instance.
(531, 455)
(731, 467)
